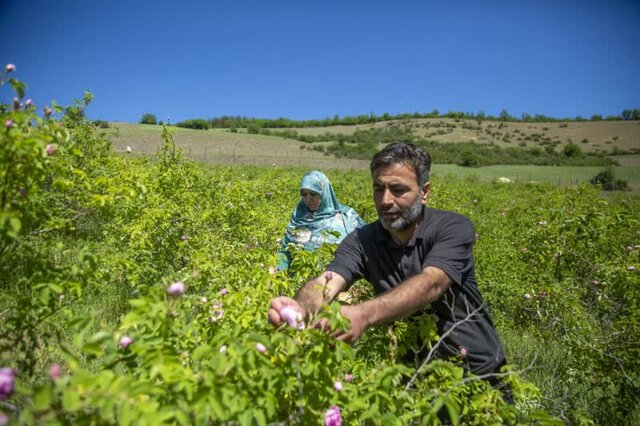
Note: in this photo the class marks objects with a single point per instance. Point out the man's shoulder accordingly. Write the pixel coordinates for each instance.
(438, 221)
(445, 215)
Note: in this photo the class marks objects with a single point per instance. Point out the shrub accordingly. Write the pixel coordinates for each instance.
(572, 150)
(148, 119)
(608, 181)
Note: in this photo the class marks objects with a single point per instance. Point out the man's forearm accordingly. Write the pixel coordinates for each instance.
(409, 297)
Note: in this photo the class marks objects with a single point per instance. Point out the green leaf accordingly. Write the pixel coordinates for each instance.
(42, 398)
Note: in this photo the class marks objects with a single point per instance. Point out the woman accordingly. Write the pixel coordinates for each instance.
(317, 218)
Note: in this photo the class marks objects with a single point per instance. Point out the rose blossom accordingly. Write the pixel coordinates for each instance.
(291, 315)
(55, 371)
(176, 289)
(348, 377)
(7, 382)
(125, 341)
(50, 149)
(261, 348)
(463, 352)
(333, 417)
(337, 385)
(224, 291)
(8, 123)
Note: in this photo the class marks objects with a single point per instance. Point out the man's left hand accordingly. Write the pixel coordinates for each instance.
(357, 324)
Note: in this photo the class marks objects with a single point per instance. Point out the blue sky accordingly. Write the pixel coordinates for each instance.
(308, 59)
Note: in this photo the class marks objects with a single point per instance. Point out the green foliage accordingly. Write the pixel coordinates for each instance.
(608, 181)
(148, 119)
(90, 248)
(198, 124)
(572, 150)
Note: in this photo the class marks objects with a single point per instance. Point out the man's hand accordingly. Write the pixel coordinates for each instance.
(279, 303)
(357, 324)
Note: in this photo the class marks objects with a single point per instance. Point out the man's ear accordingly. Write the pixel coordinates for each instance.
(425, 192)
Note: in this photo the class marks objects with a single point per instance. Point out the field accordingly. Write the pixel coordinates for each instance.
(134, 291)
(217, 146)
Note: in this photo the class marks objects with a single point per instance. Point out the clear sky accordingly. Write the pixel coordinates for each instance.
(312, 59)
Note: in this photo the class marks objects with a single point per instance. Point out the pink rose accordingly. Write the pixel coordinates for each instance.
(463, 352)
(176, 289)
(8, 124)
(7, 382)
(333, 417)
(224, 291)
(125, 341)
(261, 348)
(50, 149)
(337, 385)
(348, 377)
(291, 315)
(55, 371)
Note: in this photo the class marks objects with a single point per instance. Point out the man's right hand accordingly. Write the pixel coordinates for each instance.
(277, 304)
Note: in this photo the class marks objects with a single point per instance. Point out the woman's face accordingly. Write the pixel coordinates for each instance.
(311, 199)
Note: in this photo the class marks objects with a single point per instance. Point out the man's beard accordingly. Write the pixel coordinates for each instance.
(408, 216)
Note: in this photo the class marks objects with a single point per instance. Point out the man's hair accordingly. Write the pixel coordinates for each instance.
(407, 154)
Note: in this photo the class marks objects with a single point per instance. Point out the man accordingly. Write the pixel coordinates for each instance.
(415, 257)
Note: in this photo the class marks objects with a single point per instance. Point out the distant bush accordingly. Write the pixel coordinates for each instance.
(572, 150)
(198, 124)
(101, 124)
(608, 181)
(148, 119)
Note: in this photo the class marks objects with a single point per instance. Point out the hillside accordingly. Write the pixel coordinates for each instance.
(591, 136)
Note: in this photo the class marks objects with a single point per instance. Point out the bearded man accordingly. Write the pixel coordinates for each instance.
(417, 258)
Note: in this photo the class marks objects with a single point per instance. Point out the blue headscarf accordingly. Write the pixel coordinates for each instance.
(312, 229)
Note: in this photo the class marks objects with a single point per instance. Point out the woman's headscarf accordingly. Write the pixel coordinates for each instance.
(312, 229)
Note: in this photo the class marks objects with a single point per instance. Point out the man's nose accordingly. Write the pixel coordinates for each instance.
(387, 198)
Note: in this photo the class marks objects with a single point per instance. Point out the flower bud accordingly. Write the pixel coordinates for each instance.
(348, 377)
(261, 348)
(16, 104)
(224, 291)
(223, 349)
(337, 385)
(527, 296)
(10, 68)
(328, 275)
(463, 352)
(47, 111)
(176, 289)
(50, 149)
(4, 419)
(8, 124)
(28, 103)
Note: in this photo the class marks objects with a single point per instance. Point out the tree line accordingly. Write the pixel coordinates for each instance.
(237, 122)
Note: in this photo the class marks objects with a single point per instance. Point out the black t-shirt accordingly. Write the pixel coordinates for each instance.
(443, 240)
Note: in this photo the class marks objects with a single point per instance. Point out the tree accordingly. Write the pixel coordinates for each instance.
(148, 119)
